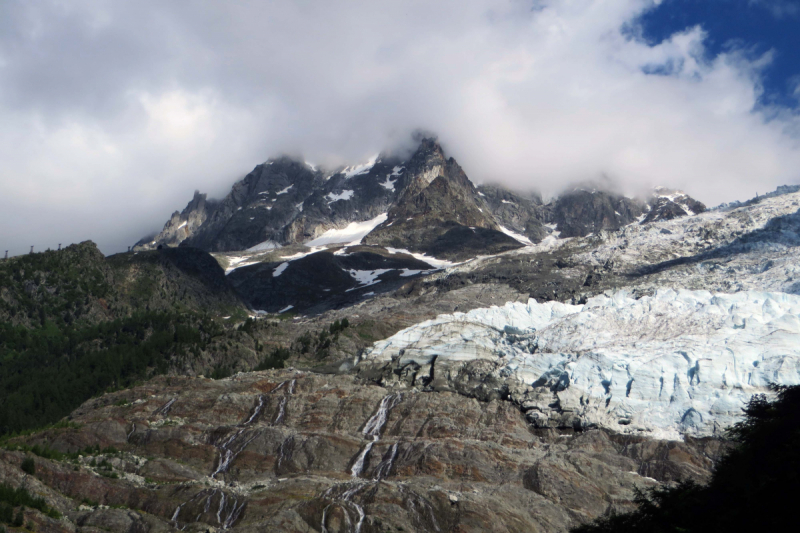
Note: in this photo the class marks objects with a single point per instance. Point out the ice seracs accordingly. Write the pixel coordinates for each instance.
(672, 364)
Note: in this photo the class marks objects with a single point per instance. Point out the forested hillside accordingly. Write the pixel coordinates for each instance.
(74, 324)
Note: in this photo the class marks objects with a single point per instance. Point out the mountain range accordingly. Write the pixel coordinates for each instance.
(356, 227)
(390, 347)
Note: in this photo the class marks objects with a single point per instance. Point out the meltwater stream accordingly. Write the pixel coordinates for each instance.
(372, 429)
(229, 508)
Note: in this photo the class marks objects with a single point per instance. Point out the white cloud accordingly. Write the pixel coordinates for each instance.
(113, 113)
(778, 8)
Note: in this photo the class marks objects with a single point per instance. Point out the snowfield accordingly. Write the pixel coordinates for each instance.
(350, 234)
(753, 247)
(263, 246)
(367, 277)
(357, 170)
(344, 195)
(675, 363)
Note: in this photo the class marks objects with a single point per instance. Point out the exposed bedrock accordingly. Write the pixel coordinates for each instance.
(292, 451)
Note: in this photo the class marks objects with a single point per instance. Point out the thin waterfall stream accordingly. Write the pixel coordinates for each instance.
(372, 430)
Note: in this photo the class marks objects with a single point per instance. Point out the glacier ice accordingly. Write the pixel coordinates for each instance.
(671, 364)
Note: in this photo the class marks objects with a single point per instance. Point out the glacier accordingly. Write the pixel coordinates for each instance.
(676, 363)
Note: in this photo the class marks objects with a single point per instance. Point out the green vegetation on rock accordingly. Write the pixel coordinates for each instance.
(11, 498)
(47, 372)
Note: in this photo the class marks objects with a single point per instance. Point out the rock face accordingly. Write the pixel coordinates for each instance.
(292, 451)
(666, 204)
(581, 212)
(437, 213)
(522, 214)
(677, 363)
(424, 204)
(325, 280)
(181, 225)
(284, 201)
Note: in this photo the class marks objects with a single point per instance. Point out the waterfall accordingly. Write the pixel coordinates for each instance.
(375, 424)
(284, 400)
(344, 502)
(257, 410)
(413, 501)
(372, 430)
(229, 508)
(385, 467)
(228, 454)
(164, 409)
(358, 466)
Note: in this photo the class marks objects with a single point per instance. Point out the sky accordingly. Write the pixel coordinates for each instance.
(112, 112)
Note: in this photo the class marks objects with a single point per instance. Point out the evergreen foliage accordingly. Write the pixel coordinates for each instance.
(28, 466)
(11, 498)
(59, 286)
(48, 371)
(275, 359)
(753, 488)
(221, 372)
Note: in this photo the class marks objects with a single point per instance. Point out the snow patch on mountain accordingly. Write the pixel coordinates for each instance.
(434, 262)
(516, 236)
(279, 269)
(350, 234)
(264, 246)
(344, 195)
(389, 183)
(367, 277)
(349, 172)
(672, 364)
(240, 261)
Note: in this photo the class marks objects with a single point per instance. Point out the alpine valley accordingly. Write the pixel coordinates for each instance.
(390, 347)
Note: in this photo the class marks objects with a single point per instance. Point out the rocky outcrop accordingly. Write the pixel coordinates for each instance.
(181, 225)
(580, 212)
(258, 207)
(522, 214)
(285, 201)
(432, 208)
(438, 214)
(666, 204)
(294, 451)
(324, 280)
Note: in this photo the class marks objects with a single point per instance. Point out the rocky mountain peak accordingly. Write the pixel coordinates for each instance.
(438, 213)
(582, 211)
(666, 204)
(426, 164)
(408, 203)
